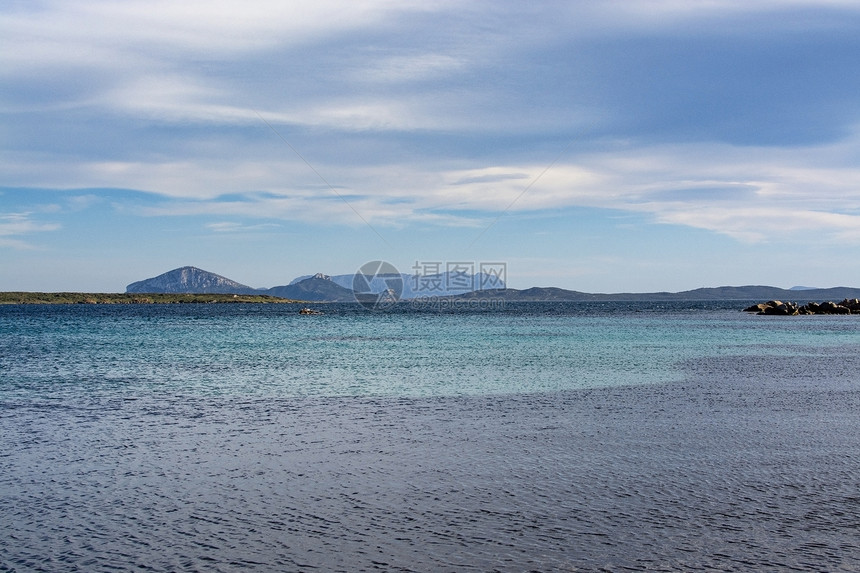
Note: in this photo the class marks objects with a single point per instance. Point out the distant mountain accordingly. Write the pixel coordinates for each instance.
(190, 280)
(442, 284)
(743, 293)
(314, 288)
(338, 288)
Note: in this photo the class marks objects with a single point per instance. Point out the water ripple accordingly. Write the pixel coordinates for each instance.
(738, 461)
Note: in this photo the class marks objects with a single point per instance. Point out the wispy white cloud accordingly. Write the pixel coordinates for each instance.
(235, 227)
(15, 226)
(650, 15)
(421, 67)
(765, 222)
(762, 194)
(91, 32)
(488, 175)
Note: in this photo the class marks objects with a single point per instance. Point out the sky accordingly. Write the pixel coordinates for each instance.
(612, 146)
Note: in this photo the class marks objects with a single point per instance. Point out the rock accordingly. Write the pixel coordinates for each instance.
(769, 307)
(779, 308)
(775, 308)
(831, 307)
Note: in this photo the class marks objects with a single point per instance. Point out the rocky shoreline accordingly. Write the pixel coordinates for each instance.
(779, 308)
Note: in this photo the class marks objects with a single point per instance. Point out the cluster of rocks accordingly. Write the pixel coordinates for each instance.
(779, 308)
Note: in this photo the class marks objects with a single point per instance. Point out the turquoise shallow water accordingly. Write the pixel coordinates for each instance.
(271, 350)
(546, 437)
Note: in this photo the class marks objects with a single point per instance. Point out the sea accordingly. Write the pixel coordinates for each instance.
(682, 436)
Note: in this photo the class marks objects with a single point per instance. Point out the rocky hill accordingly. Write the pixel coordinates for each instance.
(190, 280)
(316, 288)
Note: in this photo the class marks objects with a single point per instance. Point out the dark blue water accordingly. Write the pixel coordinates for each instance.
(541, 437)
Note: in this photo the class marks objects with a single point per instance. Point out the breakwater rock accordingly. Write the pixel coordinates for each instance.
(779, 308)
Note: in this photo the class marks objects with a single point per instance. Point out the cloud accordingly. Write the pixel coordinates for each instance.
(714, 115)
(764, 222)
(398, 69)
(488, 175)
(97, 31)
(623, 68)
(81, 202)
(750, 194)
(13, 226)
(235, 227)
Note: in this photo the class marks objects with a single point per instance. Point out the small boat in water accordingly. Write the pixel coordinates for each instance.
(309, 311)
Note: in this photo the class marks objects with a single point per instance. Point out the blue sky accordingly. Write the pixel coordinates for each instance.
(597, 146)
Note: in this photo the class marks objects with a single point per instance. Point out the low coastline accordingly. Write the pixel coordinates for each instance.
(135, 298)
